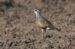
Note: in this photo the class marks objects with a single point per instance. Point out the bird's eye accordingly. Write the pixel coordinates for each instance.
(35, 10)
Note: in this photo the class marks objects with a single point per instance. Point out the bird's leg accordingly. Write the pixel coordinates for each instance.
(43, 30)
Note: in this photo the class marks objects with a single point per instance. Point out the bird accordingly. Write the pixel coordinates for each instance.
(42, 22)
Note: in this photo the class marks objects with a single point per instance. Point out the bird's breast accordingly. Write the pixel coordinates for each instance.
(40, 24)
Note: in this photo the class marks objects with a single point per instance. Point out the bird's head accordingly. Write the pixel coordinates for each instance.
(36, 11)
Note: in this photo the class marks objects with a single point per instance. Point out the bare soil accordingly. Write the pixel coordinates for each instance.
(18, 29)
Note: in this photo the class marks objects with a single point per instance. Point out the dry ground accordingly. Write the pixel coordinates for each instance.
(18, 30)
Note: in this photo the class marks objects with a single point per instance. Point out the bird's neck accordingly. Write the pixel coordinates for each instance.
(37, 15)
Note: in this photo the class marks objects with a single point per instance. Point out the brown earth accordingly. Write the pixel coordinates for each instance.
(18, 29)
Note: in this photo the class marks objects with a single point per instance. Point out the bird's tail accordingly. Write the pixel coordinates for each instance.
(55, 28)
